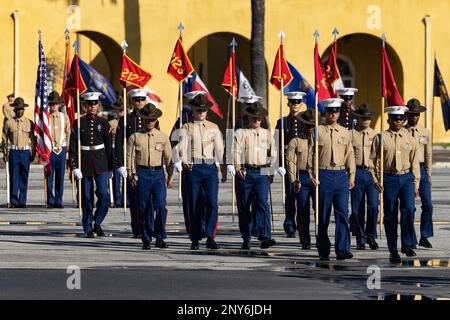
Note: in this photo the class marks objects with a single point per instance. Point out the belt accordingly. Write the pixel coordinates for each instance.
(13, 147)
(396, 173)
(149, 167)
(362, 167)
(254, 167)
(332, 168)
(91, 148)
(198, 160)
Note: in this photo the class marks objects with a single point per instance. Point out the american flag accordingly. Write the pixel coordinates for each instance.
(41, 112)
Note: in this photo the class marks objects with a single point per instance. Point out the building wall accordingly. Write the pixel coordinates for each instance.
(150, 28)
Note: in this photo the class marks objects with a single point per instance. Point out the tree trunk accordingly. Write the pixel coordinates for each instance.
(258, 62)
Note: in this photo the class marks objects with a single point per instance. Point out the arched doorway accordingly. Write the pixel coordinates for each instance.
(209, 57)
(359, 61)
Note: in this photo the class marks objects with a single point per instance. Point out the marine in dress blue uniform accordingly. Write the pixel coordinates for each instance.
(425, 155)
(147, 152)
(364, 191)
(117, 176)
(401, 174)
(346, 118)
(254, 158)
(60, 133)
(336, 178)
(134, 124)
(96, 164)
(19, 149)
(292, 129)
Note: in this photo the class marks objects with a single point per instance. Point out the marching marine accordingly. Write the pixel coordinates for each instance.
(346, 118)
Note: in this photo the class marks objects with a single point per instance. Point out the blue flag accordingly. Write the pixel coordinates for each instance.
(96, 82)
(299, 83)
(441, 91)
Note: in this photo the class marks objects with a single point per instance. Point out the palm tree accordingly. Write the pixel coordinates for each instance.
(259, 74)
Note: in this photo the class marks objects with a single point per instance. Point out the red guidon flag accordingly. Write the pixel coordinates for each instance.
(133, 74)
(388, 86)
(179, 67)
(68, 99)
(229, 78)
(280, 70)
(74, 79)
(321, 84)
(331, 69)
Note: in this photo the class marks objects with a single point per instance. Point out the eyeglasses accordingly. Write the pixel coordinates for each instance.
(139, 99)
(295, 101)
(92, 103)
(333, 110)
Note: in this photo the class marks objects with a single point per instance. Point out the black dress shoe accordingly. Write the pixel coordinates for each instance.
(408, 251)
(160, 243)
(324, 258)
(361, 247)
(291, 235)
(195, 245)
(344, 255)
(425, 243)
(23, 206)
(136, 236)
(90, 234)
(395, 258)
(372, 244)
(245, 245)
(146, 246)
(306, 246)
(266, 243)
(211, 244)
(59, 206)
(49, 206)
(99, 231)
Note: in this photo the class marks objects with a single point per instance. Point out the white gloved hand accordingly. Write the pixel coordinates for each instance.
(231, 170)
(110, 174)
(123, 172)
(77, 173)
(178, 166)
(281, 171)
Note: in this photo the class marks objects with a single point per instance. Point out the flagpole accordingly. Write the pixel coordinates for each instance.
(80, 209)
(233, 108)
(316, 151)
(432, 102)
(283, 187)
(43, 165)
(383, 37)
(180, 101)
(124, 49)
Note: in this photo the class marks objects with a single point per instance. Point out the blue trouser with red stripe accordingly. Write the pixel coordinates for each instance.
(253, 190)
(364, 187)
(333, 190)
(303, 206)
(399, 189)
(117, 192)
(134, 208)
(19, 168)
(152, 192)
(202, 178)
(101, 191)
(58, 166)
(291, 207)
(426, 218)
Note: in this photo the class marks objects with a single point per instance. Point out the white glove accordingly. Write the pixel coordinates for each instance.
(77, 173)
(110, 174)
(231, 170)
(281, 171)
(178, 166)
(123, 172)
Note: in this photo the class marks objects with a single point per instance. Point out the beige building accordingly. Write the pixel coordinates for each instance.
(415, 29)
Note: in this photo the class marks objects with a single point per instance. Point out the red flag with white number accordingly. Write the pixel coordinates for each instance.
(280, 70)
(133, 74)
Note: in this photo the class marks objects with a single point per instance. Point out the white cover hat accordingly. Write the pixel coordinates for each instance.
(295, 95)
(192, 94)
(332, 103)
(138, 93)
(347, 91)
(250, 99)
(401, 110)
(91, 96)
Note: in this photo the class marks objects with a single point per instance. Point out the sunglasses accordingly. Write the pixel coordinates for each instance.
(333, 110)
(398, 117)
(92, 103)
(139, 99)
(347, 98)
(295, 101)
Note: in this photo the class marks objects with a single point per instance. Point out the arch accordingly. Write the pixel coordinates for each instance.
(209, 57)
(363, 51)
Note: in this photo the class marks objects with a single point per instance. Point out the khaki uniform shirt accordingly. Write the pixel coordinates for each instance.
(253, 147)
(362, 142)
(113, 123)
(335, 151)
(8, 111)
(425, 154)
(297, 156)
(150, 149)
(20, 133)
(200, 140)
(400, 155)
(56, 131)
